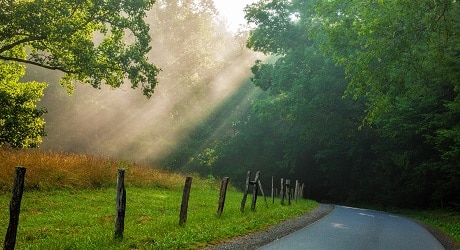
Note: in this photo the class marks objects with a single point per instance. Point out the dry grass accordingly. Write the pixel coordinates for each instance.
(51, 170)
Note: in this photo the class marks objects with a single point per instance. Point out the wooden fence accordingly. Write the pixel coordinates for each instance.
(287, 192)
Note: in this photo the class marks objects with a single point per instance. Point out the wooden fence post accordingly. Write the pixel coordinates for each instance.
(262, 191)
(185, 198)
(15, 207)
(301, 190)
(282, 191)
(223, 193)
(246, 189)
(255, 190)
(120, 204)
(273, 191)
(288, 191)
(296, 191)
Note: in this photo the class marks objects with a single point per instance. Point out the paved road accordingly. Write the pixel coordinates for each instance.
(353, 228)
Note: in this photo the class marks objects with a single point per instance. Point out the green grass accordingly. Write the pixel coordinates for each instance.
(447, 221)
(69, 203)
(84, 219)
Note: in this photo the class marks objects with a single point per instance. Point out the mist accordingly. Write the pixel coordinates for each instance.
(202, 66)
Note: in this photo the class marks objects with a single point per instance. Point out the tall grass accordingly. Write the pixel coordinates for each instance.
(69, 203)
(51, 170)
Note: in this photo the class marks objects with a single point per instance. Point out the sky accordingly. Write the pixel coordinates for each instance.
(232, 11)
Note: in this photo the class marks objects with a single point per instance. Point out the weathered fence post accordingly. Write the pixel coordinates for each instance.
(273, 191)
(255, 190)
(262, 191)
(246, 189)
(15, 207)
(120, 204)
(223, 193)
(301, 190)
(288, 191)
(282, 191)
(185, 198)
(296, 190)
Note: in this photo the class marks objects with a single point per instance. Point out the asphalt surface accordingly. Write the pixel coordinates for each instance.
(353, 228)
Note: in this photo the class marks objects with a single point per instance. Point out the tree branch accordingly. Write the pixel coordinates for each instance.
(6, 58)
(25, 40)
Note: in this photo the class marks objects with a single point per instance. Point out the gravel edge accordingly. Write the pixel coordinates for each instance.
(258, 239)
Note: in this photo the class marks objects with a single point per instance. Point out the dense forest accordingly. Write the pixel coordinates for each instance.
(359, 100)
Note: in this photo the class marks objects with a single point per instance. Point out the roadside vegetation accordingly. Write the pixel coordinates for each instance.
(69, 202)
(447, 221)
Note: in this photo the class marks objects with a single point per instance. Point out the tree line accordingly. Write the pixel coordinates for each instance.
(357, 99)
(360, 99)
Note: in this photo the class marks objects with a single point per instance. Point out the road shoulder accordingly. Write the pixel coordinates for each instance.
(446, 241)
(258, 239)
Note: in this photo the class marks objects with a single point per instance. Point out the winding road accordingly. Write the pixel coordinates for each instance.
(353, 228)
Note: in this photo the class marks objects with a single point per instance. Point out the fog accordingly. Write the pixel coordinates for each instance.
(202, 65)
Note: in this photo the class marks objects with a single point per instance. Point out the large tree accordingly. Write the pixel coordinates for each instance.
(95, 42)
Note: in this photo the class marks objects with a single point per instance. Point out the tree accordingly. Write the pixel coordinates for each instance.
(314, 127)
(195, 55)
(401, 65)
(392, 48)
(21, 124)
(94, 42)
(403, 58)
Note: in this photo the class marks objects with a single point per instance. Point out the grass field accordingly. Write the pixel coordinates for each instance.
(84, 219)
(69, 203)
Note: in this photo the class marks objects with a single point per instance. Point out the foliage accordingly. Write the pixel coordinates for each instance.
(402, 57)
(21, 124)
(360, 103)
(401, 66)
(197, 58)
(95, 42)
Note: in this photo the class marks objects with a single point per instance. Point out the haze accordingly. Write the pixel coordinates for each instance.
(202, 65)
(232, 12)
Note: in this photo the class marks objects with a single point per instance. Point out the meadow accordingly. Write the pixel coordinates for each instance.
(69, 203)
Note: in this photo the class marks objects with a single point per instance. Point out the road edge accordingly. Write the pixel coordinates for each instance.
(446, 241)
(274, 232)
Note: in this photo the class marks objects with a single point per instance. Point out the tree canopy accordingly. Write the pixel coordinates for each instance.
(361, 101)
(21, 124)
(94, 42)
